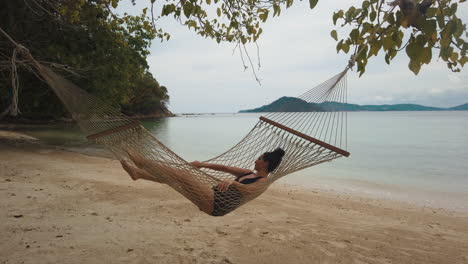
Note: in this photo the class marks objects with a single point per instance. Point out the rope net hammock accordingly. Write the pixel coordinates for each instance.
(308, 138)
(292, 131)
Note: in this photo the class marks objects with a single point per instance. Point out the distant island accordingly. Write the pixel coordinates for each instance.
(293, 104)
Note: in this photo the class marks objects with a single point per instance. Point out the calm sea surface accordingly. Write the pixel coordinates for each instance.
(411, 156)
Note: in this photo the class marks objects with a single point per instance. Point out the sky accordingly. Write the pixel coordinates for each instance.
(296, 54)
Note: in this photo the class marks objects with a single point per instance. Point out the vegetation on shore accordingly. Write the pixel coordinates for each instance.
(102, 53)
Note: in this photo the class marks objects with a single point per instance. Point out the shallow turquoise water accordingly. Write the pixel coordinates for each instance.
(417, 156)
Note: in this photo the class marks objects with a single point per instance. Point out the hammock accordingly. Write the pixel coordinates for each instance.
(308, 138)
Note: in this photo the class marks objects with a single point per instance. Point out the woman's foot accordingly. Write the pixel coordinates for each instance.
(132, 171)
(137, 173)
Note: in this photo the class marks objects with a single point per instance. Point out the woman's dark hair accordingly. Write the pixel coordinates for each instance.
(274, 158)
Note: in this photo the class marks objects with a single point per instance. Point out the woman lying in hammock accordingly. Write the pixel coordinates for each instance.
(215, 200)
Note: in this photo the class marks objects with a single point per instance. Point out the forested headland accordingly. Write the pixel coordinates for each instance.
(102, 53)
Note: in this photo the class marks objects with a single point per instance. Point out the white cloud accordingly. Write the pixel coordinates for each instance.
(383, 99)
(297, 53)
(454, 78)
(436, 91)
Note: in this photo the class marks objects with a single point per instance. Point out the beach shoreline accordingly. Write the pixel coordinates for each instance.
(346, 187)
(61, 206)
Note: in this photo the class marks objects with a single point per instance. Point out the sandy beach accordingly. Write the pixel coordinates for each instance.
(64, 207)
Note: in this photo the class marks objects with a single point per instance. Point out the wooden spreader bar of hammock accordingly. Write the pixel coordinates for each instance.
(306, 137)
(114, 130)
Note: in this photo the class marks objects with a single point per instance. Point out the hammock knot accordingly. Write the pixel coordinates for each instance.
(352, 62)
(23, 50)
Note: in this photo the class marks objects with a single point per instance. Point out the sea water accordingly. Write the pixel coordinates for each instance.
(410, 156)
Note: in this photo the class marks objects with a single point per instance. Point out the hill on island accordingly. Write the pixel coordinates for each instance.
(460, 107)
(293, 104)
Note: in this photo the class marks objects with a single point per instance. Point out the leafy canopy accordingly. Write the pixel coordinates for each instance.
(420, 27)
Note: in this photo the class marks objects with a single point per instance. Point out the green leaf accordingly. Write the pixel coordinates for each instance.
(375, 48)
(234, 24)
(191, 23)
(391, 19)
(392, 53)
(414, 66)
(345, 47)
(334, 35)
(354, 35)
(167, 9)
(454, 8)
(445, 35)
(312, 3)
(276, 10)
(441, 21)
(372, 16)
(387, 43)
(463, 61)
(459, 28)
(454, 56)
(350, 12)
(365, 5)
(356, 12)
(243, 40)
(452, 25)
(429, 27)
(188, 8)
(366, 27)
(362, 71)
(431, 12)
(335, 18)
(397, 38)
(263, 16)
(445, 53)
(362, 52)
(426, 55)
(337, 15)
(412, 50)
(338, 46)
(387, 58)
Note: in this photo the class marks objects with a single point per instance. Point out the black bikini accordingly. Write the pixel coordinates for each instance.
(225, 202)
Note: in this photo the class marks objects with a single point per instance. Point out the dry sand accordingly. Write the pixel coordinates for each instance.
(63, 207)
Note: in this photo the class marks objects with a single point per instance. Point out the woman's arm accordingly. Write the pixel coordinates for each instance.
(245, 188)
(233, 170)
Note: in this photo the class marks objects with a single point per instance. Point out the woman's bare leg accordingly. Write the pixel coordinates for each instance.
(137, 173)
(199, 193)
(130, 170)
